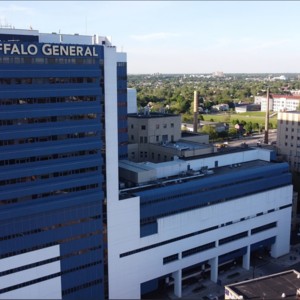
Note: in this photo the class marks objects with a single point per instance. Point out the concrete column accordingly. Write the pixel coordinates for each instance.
(177, 283)
(214, 269)
(246, 258)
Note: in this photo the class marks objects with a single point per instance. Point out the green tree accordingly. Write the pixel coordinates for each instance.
(211, 131)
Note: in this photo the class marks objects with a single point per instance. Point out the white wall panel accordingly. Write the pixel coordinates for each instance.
(48, 289)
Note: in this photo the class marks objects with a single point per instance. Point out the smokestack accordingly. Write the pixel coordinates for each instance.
(196, 105)
(266, 140)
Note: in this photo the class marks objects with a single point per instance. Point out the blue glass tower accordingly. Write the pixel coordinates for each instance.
(52, 167)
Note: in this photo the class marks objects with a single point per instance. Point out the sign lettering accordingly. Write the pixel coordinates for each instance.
(47, 49)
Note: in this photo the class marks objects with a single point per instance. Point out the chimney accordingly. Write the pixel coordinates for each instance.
(196, 105)
(266, 140)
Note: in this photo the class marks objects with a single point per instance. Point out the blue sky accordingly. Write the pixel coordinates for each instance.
(177, 36)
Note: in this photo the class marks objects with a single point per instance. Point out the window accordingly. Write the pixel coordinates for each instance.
(172, 125)
(131, 126)
(157, 138)
(143, 127)
(170, 258)
(145, 140)
(132, 137)
(141, 154)
(165, 125)
(157, 126)
(141, 139)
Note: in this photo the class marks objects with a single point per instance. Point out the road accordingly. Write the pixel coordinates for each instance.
(254, 139)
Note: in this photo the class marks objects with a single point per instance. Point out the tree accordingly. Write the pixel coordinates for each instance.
(248, 127)
(211, 131)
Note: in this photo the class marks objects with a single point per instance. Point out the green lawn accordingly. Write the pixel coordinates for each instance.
(253, 116)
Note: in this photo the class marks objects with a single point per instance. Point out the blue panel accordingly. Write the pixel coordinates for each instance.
(232, 255)
(149, 286)
(148, 229)
(263, 243)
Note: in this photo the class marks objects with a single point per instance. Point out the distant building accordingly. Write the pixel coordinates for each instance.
(221, 107)
(218, 126)
(278, 102)
(157, 137)
(276, 286)
(241, 108)
(288, 137)
(295, 92)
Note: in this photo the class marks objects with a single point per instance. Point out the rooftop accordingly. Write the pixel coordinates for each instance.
(148, 114)
(275, 286)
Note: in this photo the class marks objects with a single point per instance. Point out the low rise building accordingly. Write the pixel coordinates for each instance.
(278, 102)
(157, 137)
(196, 212)
(276, 286)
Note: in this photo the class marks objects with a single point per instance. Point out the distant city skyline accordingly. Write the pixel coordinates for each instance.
(177, 36)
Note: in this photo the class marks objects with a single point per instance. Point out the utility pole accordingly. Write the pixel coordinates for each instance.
(266, 140)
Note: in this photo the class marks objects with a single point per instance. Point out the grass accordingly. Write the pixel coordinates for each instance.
(253, 116)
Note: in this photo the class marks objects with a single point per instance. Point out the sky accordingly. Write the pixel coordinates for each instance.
(177, 36)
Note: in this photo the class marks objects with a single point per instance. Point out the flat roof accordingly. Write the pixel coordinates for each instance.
(151, 115)
(185, 145)
(275, 286)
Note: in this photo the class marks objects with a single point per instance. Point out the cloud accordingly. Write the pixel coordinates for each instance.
(155, 36)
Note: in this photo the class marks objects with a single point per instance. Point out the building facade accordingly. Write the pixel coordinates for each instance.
(55, 139)
(233, 204)
(288, 138)
(278, 102)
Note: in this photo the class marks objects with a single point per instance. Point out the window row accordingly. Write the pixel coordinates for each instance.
(264, 227)
(47, 80)
(198, 249)
(49, 60)
(50, 244)
(32, 159)
(233, 238)
(49, 194)
(34, 178)
(47, 228)
(50, 260)
(46, 100)
(47, 119)
(190, 235)
(44, 278)
(48, 138)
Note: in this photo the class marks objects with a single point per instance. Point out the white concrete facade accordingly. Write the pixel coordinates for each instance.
(48, 289)
(127, 273)
(278, 102)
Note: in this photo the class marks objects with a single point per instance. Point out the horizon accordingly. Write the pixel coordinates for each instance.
(182, 37)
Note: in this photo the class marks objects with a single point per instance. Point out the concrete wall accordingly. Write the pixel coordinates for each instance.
(127, 273)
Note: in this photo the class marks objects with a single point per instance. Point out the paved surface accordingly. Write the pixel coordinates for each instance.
(206, 289)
